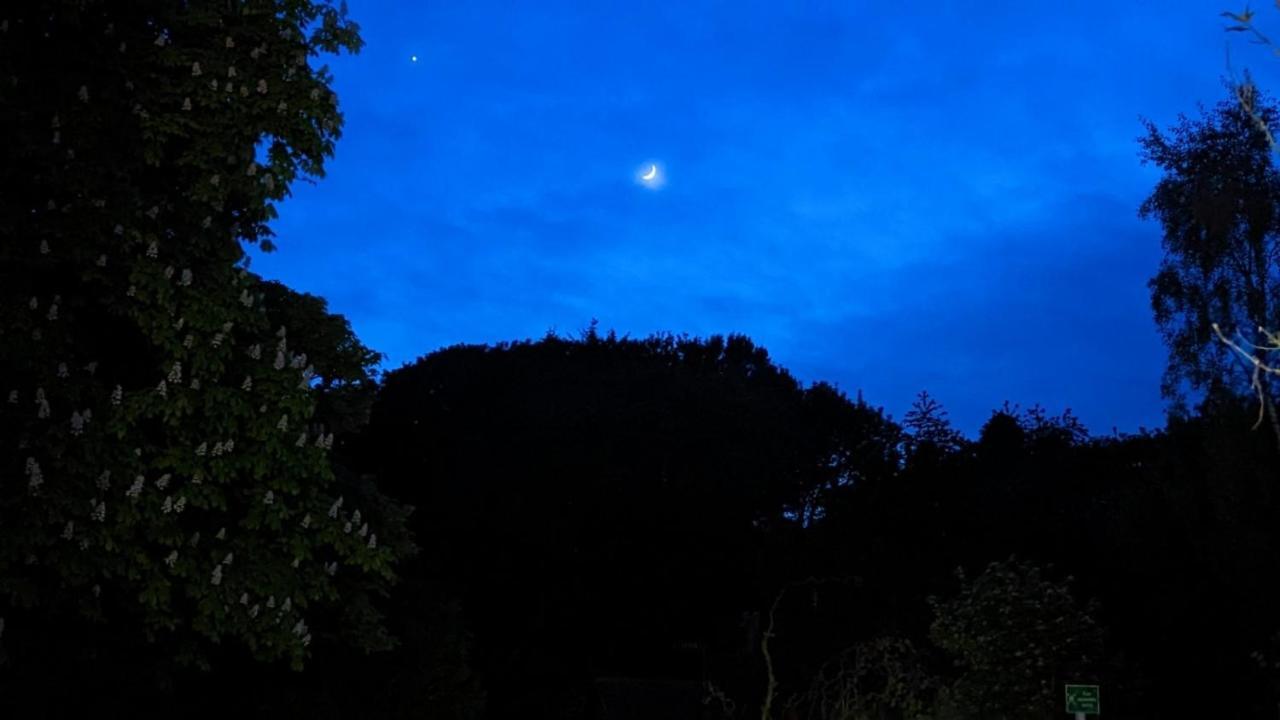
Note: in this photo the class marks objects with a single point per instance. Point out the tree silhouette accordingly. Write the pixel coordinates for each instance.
(164, 465)
(1217, 205)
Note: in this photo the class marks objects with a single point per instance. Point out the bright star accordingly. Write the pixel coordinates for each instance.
(413, 58)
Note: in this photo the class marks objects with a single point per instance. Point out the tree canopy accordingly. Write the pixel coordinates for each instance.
(1219, 206)
(165, 463)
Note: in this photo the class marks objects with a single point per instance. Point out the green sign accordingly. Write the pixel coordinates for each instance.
(1083, 699)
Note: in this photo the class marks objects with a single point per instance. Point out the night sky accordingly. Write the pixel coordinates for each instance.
(888, 197)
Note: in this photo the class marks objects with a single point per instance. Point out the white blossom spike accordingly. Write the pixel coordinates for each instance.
(186, 278)
(283, 425)
(269, 498)
(172, 560)
(77, 423)
(373, 541)
(244, 598)
(162, 389)
(302, 440)
(247, 384)
(262, 87)
(153, 249)
(186, 104)
(222, 534)
(227, 560)
(306, 520)
(53, 313)
(175, 373)
(92, 367)
(279, 363)
(335, 507)
(63, 372)
(34, 475)
(195, 383)
(163, 481)
(364, 530)
(202, 449)
(44, 247)
(102, 260)
(69, 530)
(83, 94)
(167, 506)
(99, 511)
(116, 395)
(180, 504)
(104, 480)
(216, 577)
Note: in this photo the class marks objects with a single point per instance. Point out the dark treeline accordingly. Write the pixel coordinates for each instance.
(607, 522)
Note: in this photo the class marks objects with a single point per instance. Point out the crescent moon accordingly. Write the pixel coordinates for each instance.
(653, 173)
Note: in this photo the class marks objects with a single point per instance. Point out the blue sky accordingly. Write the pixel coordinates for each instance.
(888, 197)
